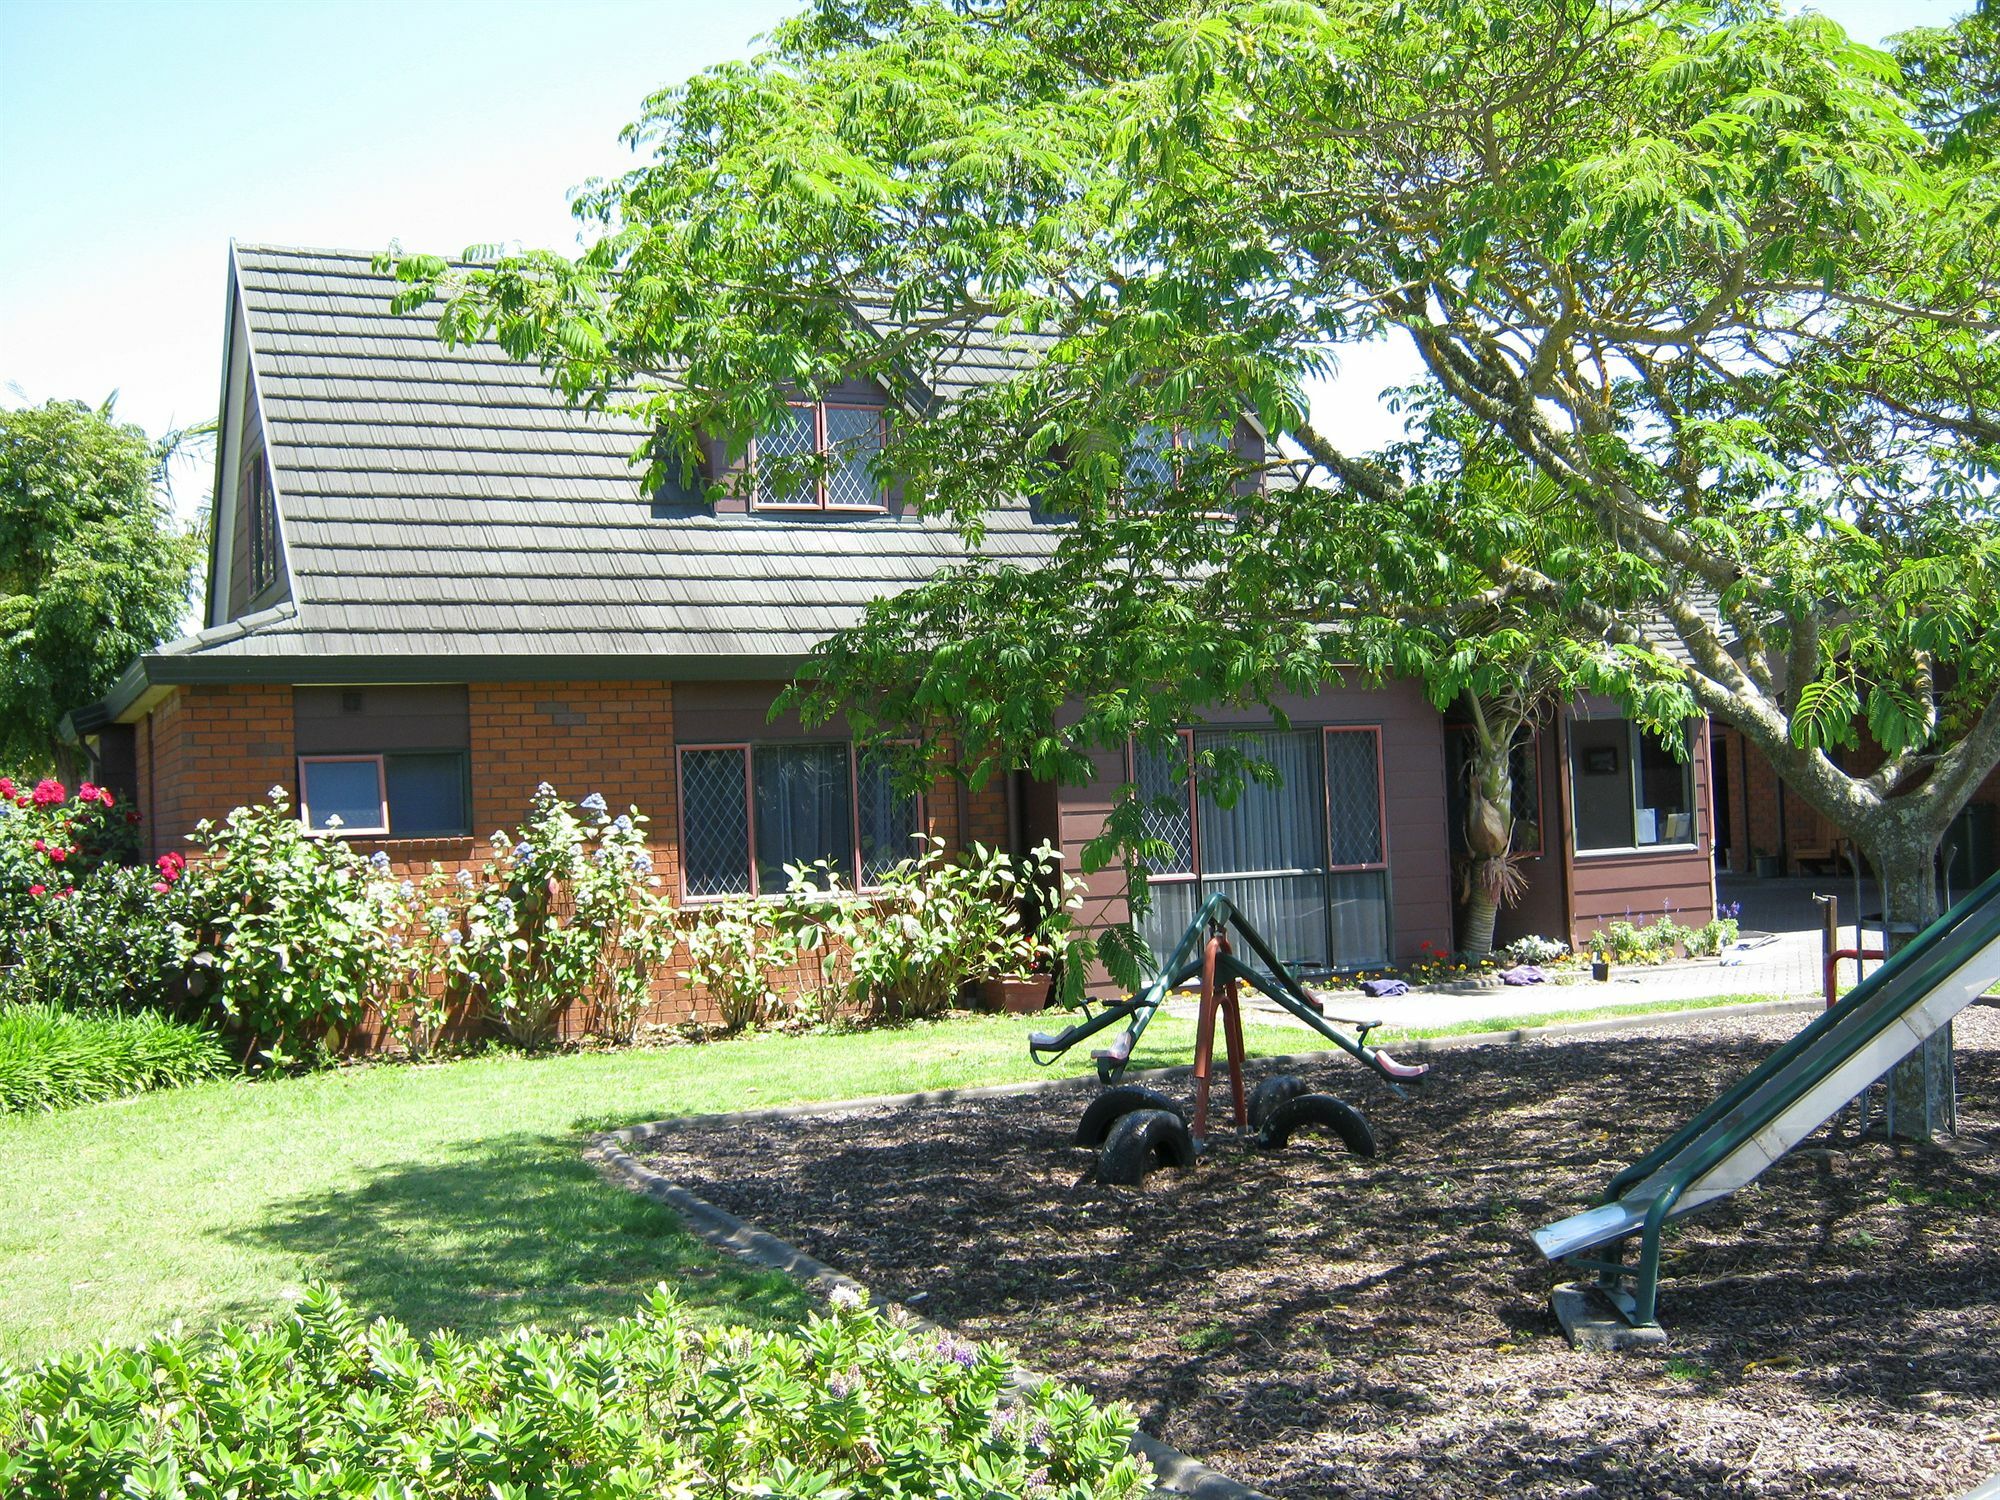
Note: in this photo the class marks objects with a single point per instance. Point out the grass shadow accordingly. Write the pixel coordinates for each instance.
(506, 1231)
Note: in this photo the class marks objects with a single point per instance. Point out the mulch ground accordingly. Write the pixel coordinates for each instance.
(1314, 1324)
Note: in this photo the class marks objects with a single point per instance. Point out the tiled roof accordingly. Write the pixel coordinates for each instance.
(440, 502)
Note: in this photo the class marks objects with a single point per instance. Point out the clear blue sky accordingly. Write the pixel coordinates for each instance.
(137, 139)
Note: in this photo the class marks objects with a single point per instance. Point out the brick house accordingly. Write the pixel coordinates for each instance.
(433, 585)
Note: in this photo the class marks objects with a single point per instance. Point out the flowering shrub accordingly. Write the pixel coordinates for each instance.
(79, 926)
(293, 929)
(1535, 950)
(325, 1405)
(940, 923)
(564, 910)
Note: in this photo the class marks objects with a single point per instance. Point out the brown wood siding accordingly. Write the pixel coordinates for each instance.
(1414, 831)
(370, 720)
(1646, 885)
(1543, 911)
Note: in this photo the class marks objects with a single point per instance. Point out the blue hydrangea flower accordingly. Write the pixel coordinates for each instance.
(623, 823)
(521, 852)
(543, 789)
(453, 938)
(379, 859)
(407, 889)
(642, 863)
(463, 880)
(593, 803)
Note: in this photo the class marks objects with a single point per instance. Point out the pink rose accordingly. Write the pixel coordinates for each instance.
(7, 788)
(49, 791)
(38, 890)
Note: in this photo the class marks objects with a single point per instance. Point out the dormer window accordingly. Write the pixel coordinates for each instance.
(260, 516)
(846, 435)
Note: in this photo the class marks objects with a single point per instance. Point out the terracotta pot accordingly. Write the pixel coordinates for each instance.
(1016, 995)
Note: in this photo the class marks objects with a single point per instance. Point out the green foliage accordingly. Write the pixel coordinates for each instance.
(732, 946)
(1708, 332)
(51, 1058)
(323, 1405)
(1711, 937)
(93, 568)
(293, 931)
(80, 926)
(563, 911)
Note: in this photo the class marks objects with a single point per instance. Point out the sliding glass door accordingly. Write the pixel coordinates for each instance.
(1303, 859)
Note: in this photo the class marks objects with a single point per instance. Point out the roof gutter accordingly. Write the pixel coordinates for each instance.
(149, 679)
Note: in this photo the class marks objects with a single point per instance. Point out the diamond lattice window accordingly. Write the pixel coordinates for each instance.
(715, 823)
(1354, 797)
(821, 456)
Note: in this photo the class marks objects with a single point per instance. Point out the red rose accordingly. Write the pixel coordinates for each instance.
(132, 819)
(170, 865)
(41, 846)
(87, 792)
(38, 890)
(7, 787)
(49, 791)
(58, 855)
(160, 888)
(104, 796)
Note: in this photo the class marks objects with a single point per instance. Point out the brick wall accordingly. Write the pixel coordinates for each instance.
(205, 750)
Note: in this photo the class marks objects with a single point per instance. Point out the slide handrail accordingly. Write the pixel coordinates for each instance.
(1921, 963)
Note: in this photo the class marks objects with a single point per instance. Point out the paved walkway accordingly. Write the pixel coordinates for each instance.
(1776, 957)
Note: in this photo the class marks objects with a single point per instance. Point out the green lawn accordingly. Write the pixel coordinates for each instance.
(447, 1196)
(451, 1195)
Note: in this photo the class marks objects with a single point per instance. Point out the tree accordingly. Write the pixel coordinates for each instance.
(1716, 285)
(93, 568)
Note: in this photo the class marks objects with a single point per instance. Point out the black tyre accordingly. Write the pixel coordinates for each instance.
(1321, 1111)
(1112, 1105)
(1141, 1141)
(1269, 1094)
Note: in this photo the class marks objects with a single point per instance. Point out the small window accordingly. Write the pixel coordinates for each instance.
(1627, 790)
(748, 811)
(404, 795)
(848, 436)
(260, 509)
(1159, 460)
(343, 794)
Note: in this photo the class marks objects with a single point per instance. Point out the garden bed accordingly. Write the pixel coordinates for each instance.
(1318, 1325)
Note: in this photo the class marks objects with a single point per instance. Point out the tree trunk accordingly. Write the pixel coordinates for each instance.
(1481, 908)
(1920, 1085)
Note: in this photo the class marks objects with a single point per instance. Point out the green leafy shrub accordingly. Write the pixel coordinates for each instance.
(564, 911)
(51, 1058)
(292, 928)
(732, 946)
(940, 922)
(117, 939)
(322, 1405)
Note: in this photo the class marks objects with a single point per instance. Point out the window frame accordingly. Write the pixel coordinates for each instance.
(257, 495)
(1381, 860)
(746, 749)
(1198, 876)
(1192, 875)
(382, 758)
(381, 828)
(821, 503)
(1634, 737)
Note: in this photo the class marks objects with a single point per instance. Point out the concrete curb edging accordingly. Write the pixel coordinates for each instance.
(1173, 1470)
(1176, 1473)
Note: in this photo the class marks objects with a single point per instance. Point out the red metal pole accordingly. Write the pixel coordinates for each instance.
(1833, 958)
(1204, 1035)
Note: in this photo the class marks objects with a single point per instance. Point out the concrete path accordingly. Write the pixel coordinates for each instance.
(1777, 957)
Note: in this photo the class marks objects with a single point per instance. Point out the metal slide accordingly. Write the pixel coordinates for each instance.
(1791, 1094)
(1184, 967)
